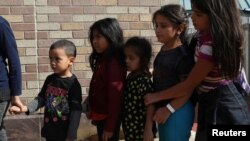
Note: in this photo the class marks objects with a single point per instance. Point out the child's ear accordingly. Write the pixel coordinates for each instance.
(72, 60)
(181, 28)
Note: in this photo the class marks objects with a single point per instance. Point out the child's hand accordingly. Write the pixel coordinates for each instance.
(150, 98)
(161, 115)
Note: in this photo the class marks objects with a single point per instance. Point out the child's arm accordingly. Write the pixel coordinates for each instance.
(75, 117)
(75, 111)
(148, 134)
(163, 113)
(197, 74)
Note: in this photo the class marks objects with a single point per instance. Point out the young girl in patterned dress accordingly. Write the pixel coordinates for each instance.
(137, 120)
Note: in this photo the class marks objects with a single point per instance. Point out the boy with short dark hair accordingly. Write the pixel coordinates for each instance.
(60, 94)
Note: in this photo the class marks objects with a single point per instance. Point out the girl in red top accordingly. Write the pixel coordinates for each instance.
(109, 73)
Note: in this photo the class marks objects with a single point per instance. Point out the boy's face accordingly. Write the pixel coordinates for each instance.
(60, 63)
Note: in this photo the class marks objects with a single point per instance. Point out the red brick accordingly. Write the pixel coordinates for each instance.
(30, 68)
(94, 9)
(44, 68)
(80, 34)
(23, 26)
(43, 60)
(4, 10)
(29, 35)
(43, 51)
(28, 18)
(84, 82)
(42, 35)
(45, 43)
(29, 76)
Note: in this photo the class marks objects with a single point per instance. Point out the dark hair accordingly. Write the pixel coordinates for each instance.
(226, 32)
(111, 30)
(143, 49)
(177, 15)
(68, 46)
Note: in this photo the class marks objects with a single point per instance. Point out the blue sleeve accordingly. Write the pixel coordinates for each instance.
(9, 46)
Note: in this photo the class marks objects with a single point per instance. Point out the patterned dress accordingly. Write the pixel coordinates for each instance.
(134, 110)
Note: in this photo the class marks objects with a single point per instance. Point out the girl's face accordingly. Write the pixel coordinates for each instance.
(164, 30)
(132, 59)
(59, 62)
(100, 43)
(200, 20)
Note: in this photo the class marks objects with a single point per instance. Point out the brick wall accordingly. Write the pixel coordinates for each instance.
(38, 23)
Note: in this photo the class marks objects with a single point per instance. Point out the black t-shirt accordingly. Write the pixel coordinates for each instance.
(62, 100)
(171, 67)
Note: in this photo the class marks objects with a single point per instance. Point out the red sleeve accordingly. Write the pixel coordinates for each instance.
(115, 76)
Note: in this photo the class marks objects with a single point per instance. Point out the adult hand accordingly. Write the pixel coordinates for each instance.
(15, 101)
(106, 135)
(13, 110)
(161, 115)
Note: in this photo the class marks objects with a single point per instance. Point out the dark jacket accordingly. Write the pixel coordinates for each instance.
(106, 91)
(9, 80)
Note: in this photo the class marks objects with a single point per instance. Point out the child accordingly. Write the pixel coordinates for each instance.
(60, 94)
(218, 62)
(171, 66)
(137, 120)
(10, 79)
(109, 74)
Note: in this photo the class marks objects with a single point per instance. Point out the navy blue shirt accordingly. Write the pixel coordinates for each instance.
(10, 68)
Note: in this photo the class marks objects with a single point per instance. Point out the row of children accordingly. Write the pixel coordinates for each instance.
(134, 100)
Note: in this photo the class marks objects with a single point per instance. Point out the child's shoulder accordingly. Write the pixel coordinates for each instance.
(75, 79)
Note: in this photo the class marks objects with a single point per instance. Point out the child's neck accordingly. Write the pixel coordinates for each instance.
(171, 45)
(135, 73)
(64, 75)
